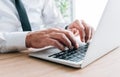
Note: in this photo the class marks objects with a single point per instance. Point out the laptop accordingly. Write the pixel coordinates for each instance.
(105, 39)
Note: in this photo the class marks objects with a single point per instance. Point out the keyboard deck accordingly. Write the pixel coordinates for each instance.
(74, 55)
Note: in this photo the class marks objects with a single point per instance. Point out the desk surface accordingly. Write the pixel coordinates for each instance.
(21, 65)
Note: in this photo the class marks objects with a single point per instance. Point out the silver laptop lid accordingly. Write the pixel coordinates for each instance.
(107, 36)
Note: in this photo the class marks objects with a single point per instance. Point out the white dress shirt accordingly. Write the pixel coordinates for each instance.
(41, 13)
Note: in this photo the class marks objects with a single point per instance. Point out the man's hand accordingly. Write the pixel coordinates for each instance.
(52, 37)
(82, 29)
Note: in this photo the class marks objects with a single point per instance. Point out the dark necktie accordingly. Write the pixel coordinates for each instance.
(23, 15)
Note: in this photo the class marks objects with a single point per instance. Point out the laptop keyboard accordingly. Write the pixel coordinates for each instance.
(74, 55)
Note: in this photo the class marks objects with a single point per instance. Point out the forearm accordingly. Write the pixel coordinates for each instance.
(14, 41)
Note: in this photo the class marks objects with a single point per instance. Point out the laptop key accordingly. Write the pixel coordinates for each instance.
(74, 55)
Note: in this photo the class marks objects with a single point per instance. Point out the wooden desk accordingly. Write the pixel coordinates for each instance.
(20, 65)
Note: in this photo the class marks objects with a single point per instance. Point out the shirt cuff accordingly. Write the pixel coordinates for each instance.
(15, 41)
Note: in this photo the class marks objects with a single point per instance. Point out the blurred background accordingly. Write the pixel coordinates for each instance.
(88, 10)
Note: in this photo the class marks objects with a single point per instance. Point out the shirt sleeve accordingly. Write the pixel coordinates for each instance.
(14, 41)
(52, 16)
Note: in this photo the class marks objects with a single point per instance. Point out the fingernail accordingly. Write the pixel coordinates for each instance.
(63, 49)
(71, 47)
(88, 41)
(83, 40)
(77, 45)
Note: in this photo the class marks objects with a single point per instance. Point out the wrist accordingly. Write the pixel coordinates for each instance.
(67, 27)
(28, 40)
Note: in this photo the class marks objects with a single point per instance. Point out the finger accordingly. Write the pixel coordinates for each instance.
(82, 35)
(51, 30)
(80, 27)
(92, 32)
(62, 38)
(72, 38)
(88, 31)
(75, 31)
(56, 44)
(72, 30)
(88, 34)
